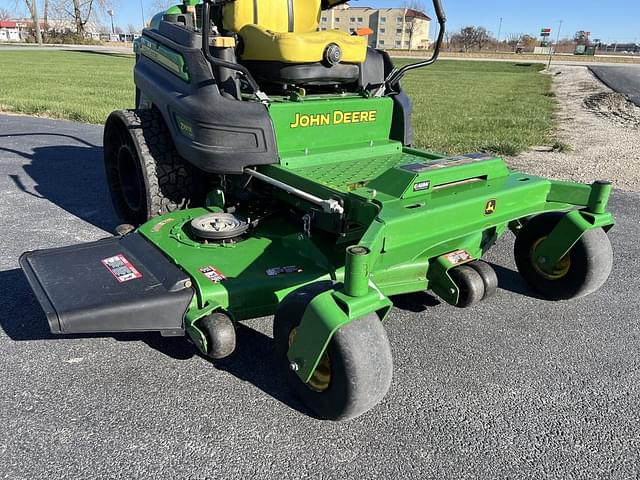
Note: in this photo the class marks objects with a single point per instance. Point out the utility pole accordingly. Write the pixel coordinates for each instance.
(142, 10)
(499, 34)
(111, 13)
(551, 51)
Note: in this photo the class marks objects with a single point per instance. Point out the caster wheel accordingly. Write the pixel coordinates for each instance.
(124, 229)
(489, 277)
(582, 271)
(355, 372)
(220, 333)
(469, 283)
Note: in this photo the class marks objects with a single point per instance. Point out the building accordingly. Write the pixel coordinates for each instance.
(12, 31)
(401, 28)
(21, 30)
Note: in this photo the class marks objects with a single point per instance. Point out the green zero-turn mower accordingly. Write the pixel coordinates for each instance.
(267, 169)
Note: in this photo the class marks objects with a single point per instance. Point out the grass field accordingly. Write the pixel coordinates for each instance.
(458, 106)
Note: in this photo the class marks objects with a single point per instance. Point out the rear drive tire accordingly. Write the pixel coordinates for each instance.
(354, 374)
(145, 174)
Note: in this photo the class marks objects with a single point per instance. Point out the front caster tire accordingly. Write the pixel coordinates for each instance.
(220, 332)
(470, 285)
(355, 372)
(145, 174)
(489, 277)
(581, 272)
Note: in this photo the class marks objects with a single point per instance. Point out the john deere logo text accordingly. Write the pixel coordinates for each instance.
(338, 117)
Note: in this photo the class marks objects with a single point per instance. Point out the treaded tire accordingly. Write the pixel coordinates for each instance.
(470, 285)
(360, 355)
(146, 175)
(591, 260)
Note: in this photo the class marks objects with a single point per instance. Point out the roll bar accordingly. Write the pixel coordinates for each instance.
(396, 74)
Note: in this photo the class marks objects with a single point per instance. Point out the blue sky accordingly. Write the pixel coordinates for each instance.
(620, 23)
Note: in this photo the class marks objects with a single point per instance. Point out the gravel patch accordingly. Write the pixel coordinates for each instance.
(601, 127)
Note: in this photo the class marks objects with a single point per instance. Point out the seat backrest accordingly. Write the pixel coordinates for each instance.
(298, 16)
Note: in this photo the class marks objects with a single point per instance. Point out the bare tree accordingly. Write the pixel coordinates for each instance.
(131, 28)
(5, 14)
(466, 38)
(45, 18)
(81, 12)
(482, 37)
(32, 6)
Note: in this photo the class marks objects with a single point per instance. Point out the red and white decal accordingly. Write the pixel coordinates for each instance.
(121, 268)
(458, 257)
(212, 274)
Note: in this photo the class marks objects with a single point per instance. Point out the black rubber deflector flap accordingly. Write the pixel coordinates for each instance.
(81, 292)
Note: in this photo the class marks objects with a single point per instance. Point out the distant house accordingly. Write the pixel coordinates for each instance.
(21, 29)
(9, 31)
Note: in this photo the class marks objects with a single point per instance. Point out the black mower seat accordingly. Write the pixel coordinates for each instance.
(280, 42)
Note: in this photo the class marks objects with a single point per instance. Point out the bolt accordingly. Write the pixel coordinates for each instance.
(187, 284)
(542, 260)
(452, 291)
(294, 366)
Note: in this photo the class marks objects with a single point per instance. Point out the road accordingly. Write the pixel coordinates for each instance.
(620, 79)
(516, 387)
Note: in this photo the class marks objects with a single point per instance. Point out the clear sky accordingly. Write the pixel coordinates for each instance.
(610, 22)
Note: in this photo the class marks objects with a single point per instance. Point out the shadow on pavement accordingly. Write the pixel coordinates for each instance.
(511, 281)
(71, 176)
(22, 320)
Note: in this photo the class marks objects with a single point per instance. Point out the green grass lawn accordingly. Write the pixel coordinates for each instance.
(458, 106)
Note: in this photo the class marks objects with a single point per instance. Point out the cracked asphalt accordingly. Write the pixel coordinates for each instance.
(516, 387)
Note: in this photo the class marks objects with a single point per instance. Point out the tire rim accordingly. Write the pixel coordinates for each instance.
(130, 178)
(560, 269)
(321, 377)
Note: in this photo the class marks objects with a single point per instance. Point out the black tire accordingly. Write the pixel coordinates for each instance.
(360, 366)
(470, 285)
(587, 269)
(221, 335)
(145, 174)
(489, 277)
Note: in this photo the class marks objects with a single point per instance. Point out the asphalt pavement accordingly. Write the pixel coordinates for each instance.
(516, 387)
(621, 79)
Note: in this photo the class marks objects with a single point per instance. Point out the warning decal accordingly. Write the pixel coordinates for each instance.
(212, 274)
(458, 257)
(121, 268)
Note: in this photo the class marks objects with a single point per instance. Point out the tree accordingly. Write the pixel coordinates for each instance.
(5, 14)
(131, 28)
(32, 6)
(45, 17)
(466, 38)
(482, 37)
(81, 12)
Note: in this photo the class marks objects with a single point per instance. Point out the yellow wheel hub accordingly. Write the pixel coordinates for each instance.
(559, 270)
(321, 377)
